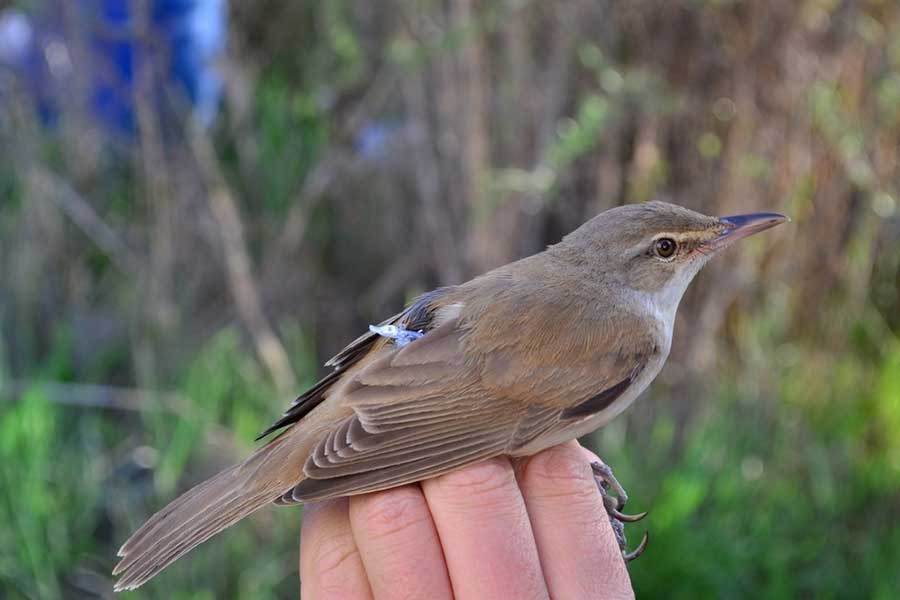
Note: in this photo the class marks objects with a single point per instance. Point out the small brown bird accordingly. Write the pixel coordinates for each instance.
(524, 357)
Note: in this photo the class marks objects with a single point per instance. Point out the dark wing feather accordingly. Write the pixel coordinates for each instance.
(418, 316)
(601, 401)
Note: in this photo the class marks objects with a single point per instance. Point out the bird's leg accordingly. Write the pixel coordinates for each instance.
(614, 499)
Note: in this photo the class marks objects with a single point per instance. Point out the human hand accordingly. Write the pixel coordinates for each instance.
(491, 530)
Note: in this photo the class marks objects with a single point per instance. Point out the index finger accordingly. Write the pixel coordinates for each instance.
(579, 552)
(330, 563)
(485, 532)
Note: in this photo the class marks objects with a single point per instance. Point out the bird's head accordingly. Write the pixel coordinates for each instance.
(656, 248)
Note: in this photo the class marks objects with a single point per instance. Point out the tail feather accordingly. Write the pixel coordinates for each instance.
(167, 516)
(194, 517)
(141, 568)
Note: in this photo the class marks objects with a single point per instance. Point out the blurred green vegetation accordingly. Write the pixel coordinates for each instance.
(131, 367)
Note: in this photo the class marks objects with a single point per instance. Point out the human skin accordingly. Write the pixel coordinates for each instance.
(531, 528)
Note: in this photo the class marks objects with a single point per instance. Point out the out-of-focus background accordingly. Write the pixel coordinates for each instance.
(200, 201)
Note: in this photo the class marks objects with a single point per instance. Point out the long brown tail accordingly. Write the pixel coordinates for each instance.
(196, 516)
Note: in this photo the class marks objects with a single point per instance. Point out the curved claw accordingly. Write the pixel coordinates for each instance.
(606, 479)
(626, 517)
(630, 556)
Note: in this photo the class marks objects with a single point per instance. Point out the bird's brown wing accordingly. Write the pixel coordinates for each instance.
(438, 403)
(418, 316)
(418, 411)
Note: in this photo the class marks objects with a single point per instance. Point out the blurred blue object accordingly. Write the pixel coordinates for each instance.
(191, 36)
(16, 36)
(178, 41)
(373, 137)
(374, 140)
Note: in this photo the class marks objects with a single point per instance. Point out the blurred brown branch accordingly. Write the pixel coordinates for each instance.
(238, 264)
(99, 396)
(46, 184)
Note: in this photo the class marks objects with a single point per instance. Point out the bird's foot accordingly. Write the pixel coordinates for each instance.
(614, 499)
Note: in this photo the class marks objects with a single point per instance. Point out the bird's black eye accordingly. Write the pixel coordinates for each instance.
(665, 247)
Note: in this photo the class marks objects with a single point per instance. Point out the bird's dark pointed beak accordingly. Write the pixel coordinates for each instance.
(740, 226)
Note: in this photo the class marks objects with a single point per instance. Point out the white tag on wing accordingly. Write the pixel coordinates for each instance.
(401, 336)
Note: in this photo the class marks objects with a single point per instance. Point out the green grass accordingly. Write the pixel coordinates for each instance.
(75, 481)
